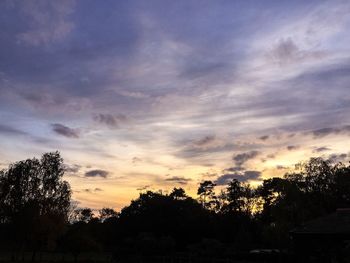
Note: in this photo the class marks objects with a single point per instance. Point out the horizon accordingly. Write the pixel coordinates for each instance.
(151, 95)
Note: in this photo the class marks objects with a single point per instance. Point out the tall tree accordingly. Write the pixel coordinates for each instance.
(207, 194)
(34, 199)
(178, 193)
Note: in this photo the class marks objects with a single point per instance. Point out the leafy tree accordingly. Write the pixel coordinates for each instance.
(107, 213)
(34, 200)
(207, 194)
(162, 215)
(178, 193)
(234, 195)
(83, 215)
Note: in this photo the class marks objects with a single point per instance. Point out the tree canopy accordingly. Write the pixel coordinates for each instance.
(35, 205)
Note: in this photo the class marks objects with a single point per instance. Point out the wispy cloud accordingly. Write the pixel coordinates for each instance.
(319, 133)
(111, 120)
(65, 130)
(48, 21)
(145, 95)
(5, 129)
(97, 173)
(178, 180)
(243, 177)
(242, 158)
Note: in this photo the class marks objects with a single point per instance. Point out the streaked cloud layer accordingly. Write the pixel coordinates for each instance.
(151, 94)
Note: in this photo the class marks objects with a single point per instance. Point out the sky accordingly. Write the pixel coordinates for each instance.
(149, 95)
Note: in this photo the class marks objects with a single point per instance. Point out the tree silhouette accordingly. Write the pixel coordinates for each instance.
(34, 200)
(207, 194)
(36, 213)
(83, 215)
(238, 197)
(107, 213)
(178, 193)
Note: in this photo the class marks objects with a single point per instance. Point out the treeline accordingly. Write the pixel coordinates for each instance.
(36, 213)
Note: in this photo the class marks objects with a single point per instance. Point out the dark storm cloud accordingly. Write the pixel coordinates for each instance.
(178, 180)
(5, 129)
(113, 121)
(242, 177)
(97, 173)
(242, 158)
(65, 131)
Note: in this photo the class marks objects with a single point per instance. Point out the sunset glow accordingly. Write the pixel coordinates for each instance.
(139, 95)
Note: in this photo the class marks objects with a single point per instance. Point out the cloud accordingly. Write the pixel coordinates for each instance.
(91, 191)
(292, 147)
(157, 70)
(286, 52)
(209, 174)
(5, 129)
(242, 158)
(319, 133)
(143, 188)
(207, 140)
(72, 169)
(337, 157)
(264, 137)
(47, 21)
(209, 144)
(235, 169)
(178, 180)
(133, 94)
(242, 177)
(97, 173)
(281, 167)
(65, 131)
(113, 121)
(136, 160)
(321, 149)
(198, 69)
(271, 156)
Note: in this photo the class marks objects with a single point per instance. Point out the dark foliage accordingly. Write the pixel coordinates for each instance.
(35, 207)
